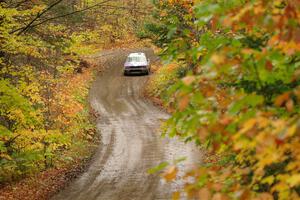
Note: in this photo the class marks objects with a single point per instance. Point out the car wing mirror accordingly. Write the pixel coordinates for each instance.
(148, 61)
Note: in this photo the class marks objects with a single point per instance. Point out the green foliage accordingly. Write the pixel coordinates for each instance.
(158, 168)
(241, 96)
(166, 76)
(18, 110)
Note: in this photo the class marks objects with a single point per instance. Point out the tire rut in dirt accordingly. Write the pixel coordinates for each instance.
(131, 143)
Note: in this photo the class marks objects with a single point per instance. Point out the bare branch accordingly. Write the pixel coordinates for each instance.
(68, 14)
(32, 24)
(23, 29)
(16, 4)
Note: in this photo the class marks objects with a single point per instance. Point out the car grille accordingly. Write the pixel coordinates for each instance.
(136, 67)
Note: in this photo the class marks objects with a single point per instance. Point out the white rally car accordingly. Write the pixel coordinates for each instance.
(137, 63)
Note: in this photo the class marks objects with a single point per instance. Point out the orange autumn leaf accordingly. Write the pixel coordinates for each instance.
(282, 99)
(269, 65)
(204, 194)
(183, 103)
(220, 196)
(290, 105)
(264, 196)
(170, 174)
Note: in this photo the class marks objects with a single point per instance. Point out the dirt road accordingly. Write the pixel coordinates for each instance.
(131, 143)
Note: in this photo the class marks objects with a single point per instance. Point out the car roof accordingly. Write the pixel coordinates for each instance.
(139, 54)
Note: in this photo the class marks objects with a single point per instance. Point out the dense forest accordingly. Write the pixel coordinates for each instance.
(44, 117)
(229, 78)
(231, 81)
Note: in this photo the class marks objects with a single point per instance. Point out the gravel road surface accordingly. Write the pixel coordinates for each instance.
(130, 140)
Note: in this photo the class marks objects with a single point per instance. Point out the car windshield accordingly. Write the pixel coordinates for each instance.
(136, 59)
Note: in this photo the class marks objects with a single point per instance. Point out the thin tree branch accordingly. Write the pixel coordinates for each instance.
(88, 8)
(32, 24)
(138, 10)
(23, 29)
(67, 14)
(16, 4)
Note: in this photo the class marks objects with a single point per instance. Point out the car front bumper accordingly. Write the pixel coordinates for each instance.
(135, 69)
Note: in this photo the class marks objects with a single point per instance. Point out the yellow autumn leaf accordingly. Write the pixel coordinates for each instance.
(248, 125)
(5, 156)
(263, 122)
(218, 59)
(269, 180)
(294, 180)
(176, 196)
(291, 130)
(280, 187)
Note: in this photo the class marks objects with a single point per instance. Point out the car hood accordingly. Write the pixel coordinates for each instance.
(129, 64)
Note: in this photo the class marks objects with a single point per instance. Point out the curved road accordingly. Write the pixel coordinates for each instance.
(130, 140)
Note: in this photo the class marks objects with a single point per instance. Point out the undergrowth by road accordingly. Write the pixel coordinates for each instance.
(42, 185)
(45, 184)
